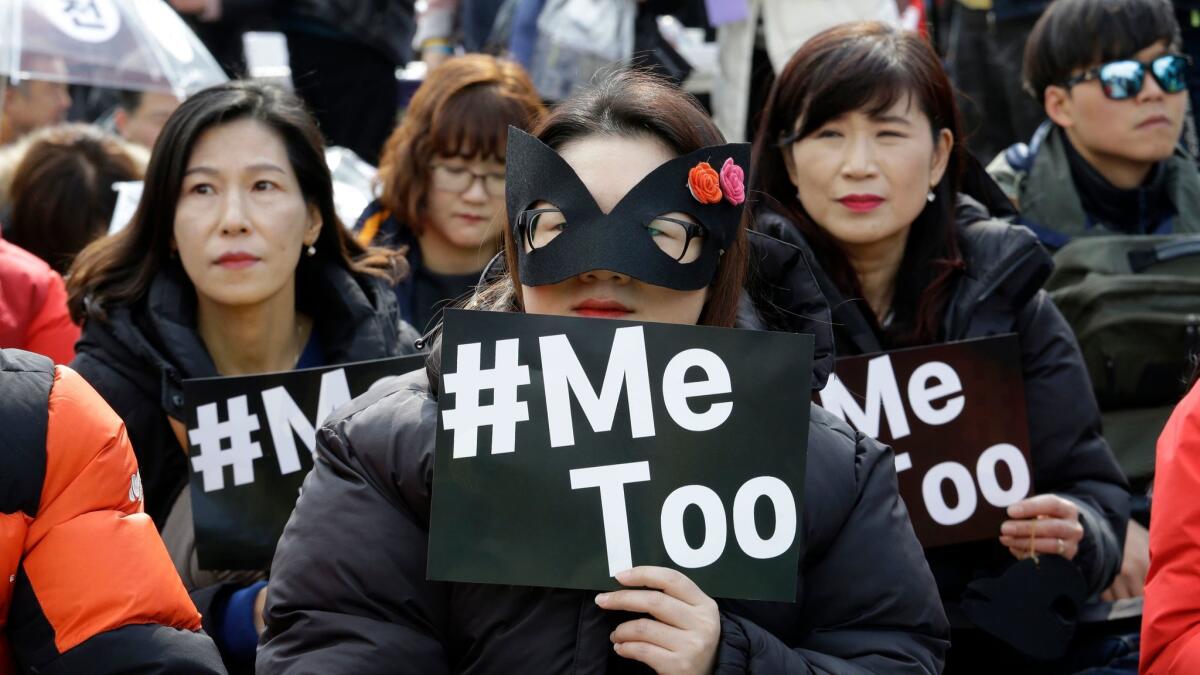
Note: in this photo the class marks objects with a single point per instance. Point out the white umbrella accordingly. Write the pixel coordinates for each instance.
(121, 44)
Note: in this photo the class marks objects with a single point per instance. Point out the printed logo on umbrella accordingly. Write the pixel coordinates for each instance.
(83, 20)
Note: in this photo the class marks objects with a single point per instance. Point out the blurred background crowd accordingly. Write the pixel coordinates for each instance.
(1073, 121)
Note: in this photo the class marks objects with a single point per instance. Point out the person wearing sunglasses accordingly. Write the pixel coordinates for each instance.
(1113, 82)
(1109, 161)
(442, 180)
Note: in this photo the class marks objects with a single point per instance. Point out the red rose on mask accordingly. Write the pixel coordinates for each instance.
(705, 184)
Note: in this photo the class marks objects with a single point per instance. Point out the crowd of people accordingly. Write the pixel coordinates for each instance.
(1023, 170)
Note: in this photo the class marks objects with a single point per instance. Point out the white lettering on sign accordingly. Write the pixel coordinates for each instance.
(921, 395)
(744, 527)
(882, 394)
(985, 471)
(505, 411)
(935, 503)
(563, 375)
(676, 391)
(611, 480)
(210, 435)
(935, 397)
(285, 417)
(964, 485)
(671, 523)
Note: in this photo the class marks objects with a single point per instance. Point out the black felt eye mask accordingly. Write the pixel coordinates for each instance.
(617, 240)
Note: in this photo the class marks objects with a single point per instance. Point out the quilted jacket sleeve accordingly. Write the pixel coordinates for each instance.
(96, 591)
(859, 617)
(379, 614)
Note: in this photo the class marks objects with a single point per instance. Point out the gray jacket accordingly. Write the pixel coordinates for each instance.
(1037, 177)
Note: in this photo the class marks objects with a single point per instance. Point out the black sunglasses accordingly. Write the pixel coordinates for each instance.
(1124, 79)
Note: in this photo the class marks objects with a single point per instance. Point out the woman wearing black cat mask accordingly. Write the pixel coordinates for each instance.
(641, 172)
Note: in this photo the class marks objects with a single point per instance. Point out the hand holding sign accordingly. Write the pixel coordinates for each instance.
(1049, 521)
(955, 415)
(686, 628)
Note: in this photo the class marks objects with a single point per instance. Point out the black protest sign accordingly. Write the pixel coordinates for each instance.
(251, 441)
(955, 415)
(570, 449)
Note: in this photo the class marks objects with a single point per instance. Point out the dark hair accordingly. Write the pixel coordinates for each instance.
(118, 269)
(62, 191)
(625, 102)
(1076, 34)
(463, 108)
(868, 66)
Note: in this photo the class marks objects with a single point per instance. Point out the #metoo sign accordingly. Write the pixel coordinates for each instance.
(251, 443)
(571, 449)
(955, 415)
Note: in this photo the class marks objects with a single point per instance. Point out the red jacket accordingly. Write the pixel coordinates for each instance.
(1171, 616)
(86, 584)
(33, 306)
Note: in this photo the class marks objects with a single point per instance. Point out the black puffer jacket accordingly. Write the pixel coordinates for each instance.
(998, 293)
(349, 590)
(138, 358)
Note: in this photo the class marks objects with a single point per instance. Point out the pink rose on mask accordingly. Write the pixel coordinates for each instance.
(733, 182)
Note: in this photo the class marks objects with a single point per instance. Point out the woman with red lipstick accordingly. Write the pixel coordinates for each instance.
(235, 263)
(333, 604)
(860, 152)
(442, 180)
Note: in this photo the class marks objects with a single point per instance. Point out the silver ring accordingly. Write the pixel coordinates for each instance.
(1062, 547)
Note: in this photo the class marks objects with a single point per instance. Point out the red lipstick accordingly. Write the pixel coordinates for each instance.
(605, 309)
(861, 203)
(237, 260)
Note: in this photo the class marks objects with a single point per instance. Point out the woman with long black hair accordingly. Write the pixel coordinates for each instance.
(235, 263)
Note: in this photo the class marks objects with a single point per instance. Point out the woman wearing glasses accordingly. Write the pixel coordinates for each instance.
(866, 601)
(860, 153)
(1108, 161)
(442, 180)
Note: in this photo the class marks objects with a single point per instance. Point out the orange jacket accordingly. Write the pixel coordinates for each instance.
(86, 584)
(1171, 615)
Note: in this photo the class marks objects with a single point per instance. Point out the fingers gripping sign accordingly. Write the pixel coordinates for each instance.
(1045, 524)
(685, 629)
